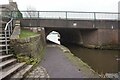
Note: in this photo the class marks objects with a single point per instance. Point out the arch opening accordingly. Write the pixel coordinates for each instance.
(54, 37)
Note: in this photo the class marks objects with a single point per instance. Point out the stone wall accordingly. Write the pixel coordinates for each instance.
(32, 46)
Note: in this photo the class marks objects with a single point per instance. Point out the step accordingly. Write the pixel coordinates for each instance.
(2, 34)
(4, 40)
(5, 56)
(4, 63)
(3, 22)
(22, 72)
(8, 71)
(2, 45)
(3, 50)
(3, 37)
(3, 30)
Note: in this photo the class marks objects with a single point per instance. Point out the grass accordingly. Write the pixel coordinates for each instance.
(26, 33)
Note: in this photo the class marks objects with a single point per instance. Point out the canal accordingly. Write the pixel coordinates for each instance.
(102, 61)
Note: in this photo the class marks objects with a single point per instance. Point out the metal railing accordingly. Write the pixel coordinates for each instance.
(70, 15)
(64, 15)
(8, 28)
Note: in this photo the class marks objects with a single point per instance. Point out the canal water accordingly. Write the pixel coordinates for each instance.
(102, 61)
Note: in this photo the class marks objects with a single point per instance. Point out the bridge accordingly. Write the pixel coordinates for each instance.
(91, 29)
(61, 19)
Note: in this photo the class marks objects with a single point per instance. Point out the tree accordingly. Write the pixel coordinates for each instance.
(31, 12)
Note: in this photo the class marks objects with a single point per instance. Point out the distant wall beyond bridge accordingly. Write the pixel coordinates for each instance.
(69, 23)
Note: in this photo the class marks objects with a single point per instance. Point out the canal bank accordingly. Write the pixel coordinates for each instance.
(102, 61)
(60, 63)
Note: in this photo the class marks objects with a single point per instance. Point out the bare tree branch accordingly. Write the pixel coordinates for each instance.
(31, 12)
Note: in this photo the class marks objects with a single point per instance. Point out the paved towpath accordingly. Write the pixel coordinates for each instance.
(58, 66)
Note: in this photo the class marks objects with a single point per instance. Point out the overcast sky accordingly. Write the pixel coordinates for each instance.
(68, 5)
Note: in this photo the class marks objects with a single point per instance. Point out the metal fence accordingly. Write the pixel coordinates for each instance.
(65, 15)
(70, 15)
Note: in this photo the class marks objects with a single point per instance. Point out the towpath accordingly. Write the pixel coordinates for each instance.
(58, 65)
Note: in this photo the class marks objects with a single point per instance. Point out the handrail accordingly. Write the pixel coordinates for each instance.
(8, 24)
(9, 27)
(71, 14)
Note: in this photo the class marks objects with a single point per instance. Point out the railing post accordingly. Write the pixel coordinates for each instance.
(6, 42)
(94, 16)
(66, 15)
(66, 19)
(9, 29)
(38, 14)
(10, 13)
(94, 24)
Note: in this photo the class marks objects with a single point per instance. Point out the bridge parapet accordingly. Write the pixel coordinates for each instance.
(70, 15)
(62, 23)
(69, 19)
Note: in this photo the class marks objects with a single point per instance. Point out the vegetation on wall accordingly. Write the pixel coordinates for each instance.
(28, 60)
(26, 33)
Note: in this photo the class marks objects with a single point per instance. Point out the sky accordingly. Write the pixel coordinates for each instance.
(68, 5)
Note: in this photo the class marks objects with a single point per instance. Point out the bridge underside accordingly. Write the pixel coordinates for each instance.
(93, 38)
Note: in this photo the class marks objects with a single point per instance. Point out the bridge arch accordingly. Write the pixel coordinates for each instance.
(54, 37)
(66, 35)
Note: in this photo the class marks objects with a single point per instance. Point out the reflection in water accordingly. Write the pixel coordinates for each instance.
(101, 61)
